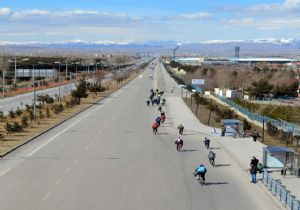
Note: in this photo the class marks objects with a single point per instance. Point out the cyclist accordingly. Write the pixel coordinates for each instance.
(211, 157)
(200, 172)
(163, 117)
(179, 143)
(159, 108)
(155, 127)
(157, 120)
(206, 142)
(180, 128)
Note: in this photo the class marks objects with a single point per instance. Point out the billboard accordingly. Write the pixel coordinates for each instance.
(197, 81)
(35, 72)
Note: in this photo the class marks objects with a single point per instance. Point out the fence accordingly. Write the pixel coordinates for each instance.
(280, 192)
(286, 126)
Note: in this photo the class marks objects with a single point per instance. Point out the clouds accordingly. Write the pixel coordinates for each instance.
(5, 11)
(254, 21)
(196, 16)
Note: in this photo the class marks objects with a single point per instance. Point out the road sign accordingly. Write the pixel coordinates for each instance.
(198, 81)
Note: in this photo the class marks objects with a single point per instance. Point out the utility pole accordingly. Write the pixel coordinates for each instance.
(3, 81)
(66, 68)
(15, 76)
(34, 99)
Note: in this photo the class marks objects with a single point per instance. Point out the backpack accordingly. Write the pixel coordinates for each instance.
(201, 170)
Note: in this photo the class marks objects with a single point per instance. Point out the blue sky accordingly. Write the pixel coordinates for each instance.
(157, 20)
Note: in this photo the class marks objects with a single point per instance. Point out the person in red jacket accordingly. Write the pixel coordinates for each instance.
(155, 127)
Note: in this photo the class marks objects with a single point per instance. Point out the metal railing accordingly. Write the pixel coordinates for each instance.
(286, 126)
(280, 192)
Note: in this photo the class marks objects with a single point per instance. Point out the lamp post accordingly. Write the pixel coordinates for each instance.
(15, 65)
(57, 62)
(3, 82)
(34, 99)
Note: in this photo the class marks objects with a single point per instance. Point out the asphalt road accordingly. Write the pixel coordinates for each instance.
(108, 158)
(12, 103)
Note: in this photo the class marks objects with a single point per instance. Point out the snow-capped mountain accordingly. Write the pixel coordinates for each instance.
(261, 47)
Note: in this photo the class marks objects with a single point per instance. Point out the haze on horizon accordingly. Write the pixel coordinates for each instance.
(135, 21)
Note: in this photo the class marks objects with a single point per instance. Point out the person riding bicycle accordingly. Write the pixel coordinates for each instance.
(180, 128)
(211, 157)
(162, 116)
(206, 142)
(179, 143)
(159, 108)
(158, 120)
(200, 172)
(155, 127)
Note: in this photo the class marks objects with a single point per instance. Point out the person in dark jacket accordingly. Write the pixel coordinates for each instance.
(253, 172)
(254, 162)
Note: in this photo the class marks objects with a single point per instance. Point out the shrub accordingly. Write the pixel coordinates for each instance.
(1, 116)
(247, 125)
(8, 127)
(24, 121)
(41, 114)
(31, 116)
(57, 108)
(18, 111)
(12, 114)
(3, 131)
(217, 119)
(227, 114)
(48, 114)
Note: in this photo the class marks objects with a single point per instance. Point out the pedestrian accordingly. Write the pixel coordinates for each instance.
(206, 142)
(223, 131)
(254, 162)
(253, 172)
(255, 135)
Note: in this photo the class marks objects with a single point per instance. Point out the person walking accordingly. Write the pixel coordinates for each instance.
(253, 172)
(254, 162)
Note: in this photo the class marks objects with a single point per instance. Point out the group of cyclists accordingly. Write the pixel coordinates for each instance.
(155, 98)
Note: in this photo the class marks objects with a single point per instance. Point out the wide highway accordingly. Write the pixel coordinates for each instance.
(107, 158)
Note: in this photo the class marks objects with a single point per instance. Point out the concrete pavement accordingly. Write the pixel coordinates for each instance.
(241, 149)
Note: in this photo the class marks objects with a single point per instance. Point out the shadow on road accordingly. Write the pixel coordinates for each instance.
(215, 183)
(188, 134)
(189, 150)
(162, 134)
(221, 165)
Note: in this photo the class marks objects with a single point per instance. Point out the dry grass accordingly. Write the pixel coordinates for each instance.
(38, 126)
(203, 115)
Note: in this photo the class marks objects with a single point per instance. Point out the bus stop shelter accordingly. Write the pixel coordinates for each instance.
(281, 158)
(234, 127)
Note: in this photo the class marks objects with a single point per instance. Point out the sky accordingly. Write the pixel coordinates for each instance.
(124, 21)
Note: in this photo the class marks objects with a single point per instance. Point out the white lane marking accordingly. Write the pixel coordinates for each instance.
(68, 170)
(4, 172)
(45, 197)
(52, 138)
(58, 181)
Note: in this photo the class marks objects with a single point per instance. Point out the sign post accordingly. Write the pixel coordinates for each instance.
(197, 83)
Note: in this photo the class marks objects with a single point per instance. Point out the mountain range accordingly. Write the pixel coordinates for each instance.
(256, 47)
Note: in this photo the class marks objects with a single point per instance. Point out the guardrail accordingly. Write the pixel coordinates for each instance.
(286, 126)
(280, 192)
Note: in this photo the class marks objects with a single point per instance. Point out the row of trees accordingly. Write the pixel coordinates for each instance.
(260, 81)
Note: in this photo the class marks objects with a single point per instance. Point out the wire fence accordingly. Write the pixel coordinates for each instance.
(280, 192)
(284, 125)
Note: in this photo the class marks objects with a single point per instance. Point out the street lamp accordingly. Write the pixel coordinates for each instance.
(57, 62)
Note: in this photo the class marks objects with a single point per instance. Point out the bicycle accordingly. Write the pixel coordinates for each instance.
(212, 161)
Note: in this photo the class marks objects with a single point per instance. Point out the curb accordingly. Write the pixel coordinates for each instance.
(61, 122)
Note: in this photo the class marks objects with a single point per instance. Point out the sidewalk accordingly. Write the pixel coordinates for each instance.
(242, 149)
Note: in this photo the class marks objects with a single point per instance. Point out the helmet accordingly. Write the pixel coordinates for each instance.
(201, 165)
